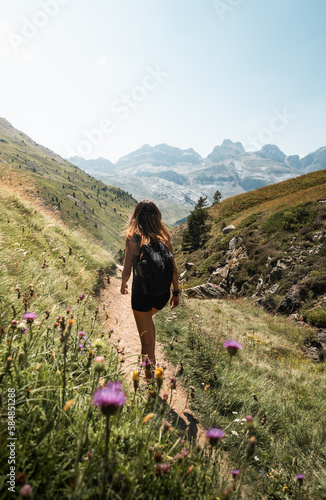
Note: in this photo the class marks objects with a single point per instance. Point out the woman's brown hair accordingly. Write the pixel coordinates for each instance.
(146, 222)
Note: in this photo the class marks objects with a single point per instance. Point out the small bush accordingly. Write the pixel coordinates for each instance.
(316, 317)
(248, 220)
(317, 282)
(292, 219)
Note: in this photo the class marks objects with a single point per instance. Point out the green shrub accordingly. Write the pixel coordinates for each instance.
(317, 282)
(248, 220)
(316, 317)
(291, 219)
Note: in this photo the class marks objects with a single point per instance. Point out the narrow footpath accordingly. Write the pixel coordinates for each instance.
(121, 320)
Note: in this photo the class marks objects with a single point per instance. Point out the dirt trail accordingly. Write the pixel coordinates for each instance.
(121, 320)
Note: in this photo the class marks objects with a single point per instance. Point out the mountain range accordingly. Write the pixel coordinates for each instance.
(176, 178)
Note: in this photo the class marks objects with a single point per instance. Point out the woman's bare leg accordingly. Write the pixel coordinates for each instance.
(146, 330)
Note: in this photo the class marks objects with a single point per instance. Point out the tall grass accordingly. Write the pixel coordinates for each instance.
(268, 379)
(49, 373)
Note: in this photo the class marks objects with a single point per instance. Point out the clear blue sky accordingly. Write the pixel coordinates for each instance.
(189, 73)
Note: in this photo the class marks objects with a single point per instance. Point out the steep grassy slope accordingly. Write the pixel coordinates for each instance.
(277, 251)
(79, 199)
(43, 262)
(53, 436)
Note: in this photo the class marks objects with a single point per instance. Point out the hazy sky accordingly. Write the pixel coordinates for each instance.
(103, 77)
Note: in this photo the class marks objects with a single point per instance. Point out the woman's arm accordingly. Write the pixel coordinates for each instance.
(126, 272)
(174, 301)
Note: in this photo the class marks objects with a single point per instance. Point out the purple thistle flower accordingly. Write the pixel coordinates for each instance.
(300, 477)
(147, 363)
(232, 346)
(26, 491)
(166, 425)
(214, 435)
(235, 473)
(81, 334)
(109, 398)
(29, 316)
(164, 468)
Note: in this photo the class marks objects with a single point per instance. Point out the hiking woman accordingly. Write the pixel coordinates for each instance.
(146, 227)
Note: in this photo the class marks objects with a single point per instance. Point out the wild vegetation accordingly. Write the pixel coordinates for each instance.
(65, 432)
(54, 354)
(196, 233)
(276, 250)
(268, 378)
(80, 200)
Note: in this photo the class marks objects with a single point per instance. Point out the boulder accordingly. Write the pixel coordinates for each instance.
(283, 263)
(277, 272)
(206, 291)
(290, 303)
(234, 242)
(189, 265)
(228, 229)
(274, 288)
(319, 236)
(234, 290)
(296, 317)
(223, 271)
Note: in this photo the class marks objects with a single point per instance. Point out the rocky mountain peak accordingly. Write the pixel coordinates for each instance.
(226, 150)
(271, 152)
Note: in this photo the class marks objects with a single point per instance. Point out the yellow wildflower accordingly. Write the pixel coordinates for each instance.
(135, 379)
(159, 376)
(148, 417)
(159, 372)
(68, 404)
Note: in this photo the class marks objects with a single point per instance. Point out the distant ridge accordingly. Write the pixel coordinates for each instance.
(176, 178)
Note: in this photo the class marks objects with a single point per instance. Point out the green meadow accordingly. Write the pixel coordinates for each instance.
(269, 379)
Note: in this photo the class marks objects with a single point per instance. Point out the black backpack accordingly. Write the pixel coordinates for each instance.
(155, 269)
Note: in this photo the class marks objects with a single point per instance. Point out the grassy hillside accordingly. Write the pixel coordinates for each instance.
(55, 441)
(79, 199)
(279, 243)
(268, 379)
